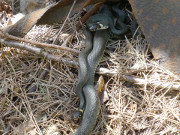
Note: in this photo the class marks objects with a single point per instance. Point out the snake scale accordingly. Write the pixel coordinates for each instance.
(83, 73)
(100, 26)
(92, 106)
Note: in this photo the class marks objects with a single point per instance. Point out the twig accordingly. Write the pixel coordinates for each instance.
(43, 74)
(90, 2)
(6, 35)
(139, 81)
(11, 65)
(37, 51)
(35, 74)
(54, 42)
(23, 116)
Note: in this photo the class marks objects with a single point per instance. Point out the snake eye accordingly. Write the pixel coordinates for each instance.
(102, 26)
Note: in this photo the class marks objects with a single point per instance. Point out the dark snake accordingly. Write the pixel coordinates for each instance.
(89, 58)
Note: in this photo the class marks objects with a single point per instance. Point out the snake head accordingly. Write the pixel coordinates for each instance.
(97, 22)
(96, 26)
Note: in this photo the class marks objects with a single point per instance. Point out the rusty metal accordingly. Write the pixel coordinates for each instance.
(49, 15)
(160, 23)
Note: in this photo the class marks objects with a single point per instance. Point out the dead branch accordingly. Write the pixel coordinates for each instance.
(38, 51)
(7, 36)
(55, 41)
(139, 81)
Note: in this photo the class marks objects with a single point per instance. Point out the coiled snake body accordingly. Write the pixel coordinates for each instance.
(89, 101)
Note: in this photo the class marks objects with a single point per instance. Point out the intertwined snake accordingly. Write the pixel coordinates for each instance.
(89, 58)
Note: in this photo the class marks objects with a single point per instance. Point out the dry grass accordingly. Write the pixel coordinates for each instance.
(131, 109)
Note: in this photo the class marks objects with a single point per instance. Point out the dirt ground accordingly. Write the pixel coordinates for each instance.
(140, 97)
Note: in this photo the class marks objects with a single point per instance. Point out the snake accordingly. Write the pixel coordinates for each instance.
(92, 104)
(82, 73)
(100, 25)
(104, 20)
